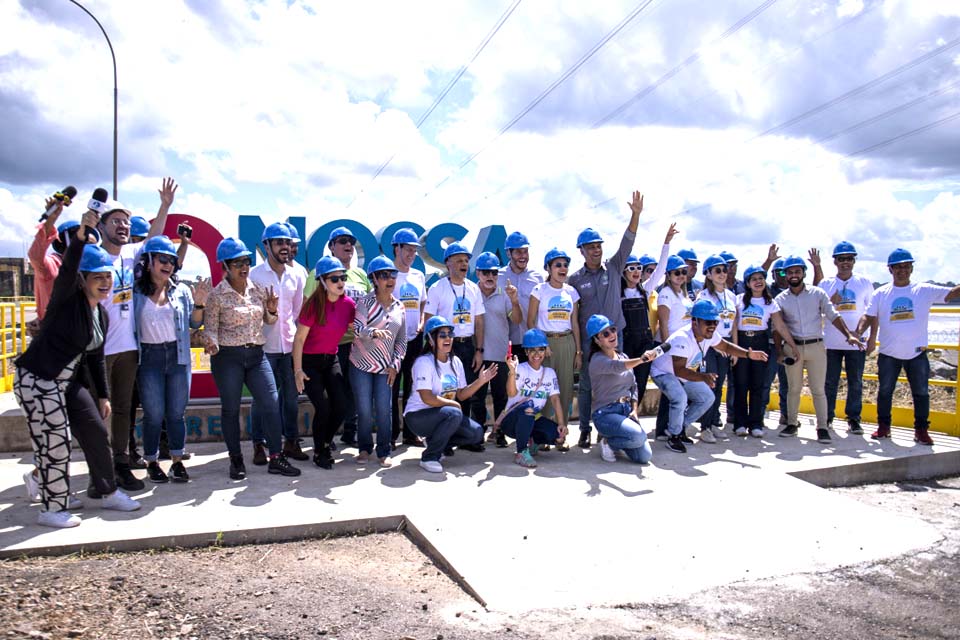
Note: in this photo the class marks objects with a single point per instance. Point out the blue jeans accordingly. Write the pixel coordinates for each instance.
(688, 400)
(918, 373)
(163, 396)
(719, 364)
(443, 427)
(522, 426)
(853, 361)
(622, 432)
(287, 396)
(232, 367)
(372, 395)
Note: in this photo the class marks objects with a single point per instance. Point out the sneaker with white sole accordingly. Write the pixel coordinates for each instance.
(741, 431)
(432, 466)
(720, 434)
(57, 519)
(73, 502)
(607, 454)
(756, 432)
(706, 435)
(32, 485)
(690, 430)
(119, 501)
(524, 459)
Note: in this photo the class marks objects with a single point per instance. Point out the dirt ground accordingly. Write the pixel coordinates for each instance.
(381, 586)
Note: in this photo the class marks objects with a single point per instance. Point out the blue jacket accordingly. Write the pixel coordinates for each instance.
(181, 299)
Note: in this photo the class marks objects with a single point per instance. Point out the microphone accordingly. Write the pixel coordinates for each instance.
(66, 197)
(657, 351)
(97, 204)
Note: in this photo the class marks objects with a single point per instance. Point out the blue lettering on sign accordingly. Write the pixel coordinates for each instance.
(213, 426)
(193, 425)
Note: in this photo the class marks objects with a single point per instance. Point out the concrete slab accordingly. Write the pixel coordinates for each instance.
(575, 531)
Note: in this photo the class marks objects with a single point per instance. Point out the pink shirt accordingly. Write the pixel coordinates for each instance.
(326, 338)
(45, 265)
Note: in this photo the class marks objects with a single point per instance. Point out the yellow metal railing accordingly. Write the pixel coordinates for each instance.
(13, 338)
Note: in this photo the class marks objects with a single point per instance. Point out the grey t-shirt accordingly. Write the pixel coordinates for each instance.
(496, 325)
(610, 380)
(600, 290)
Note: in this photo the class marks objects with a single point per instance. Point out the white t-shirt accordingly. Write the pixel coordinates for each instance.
(726, 304)
(679, 305)
(458, 303)
(855, 296)
(119, 306)
(555, 312)
(684, 345)
(411, 291)
(157, 323)
(756, 317)
(903, 313)
(527, 380)
(443, 378)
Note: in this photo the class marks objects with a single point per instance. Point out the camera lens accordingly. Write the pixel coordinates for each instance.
(789, 361)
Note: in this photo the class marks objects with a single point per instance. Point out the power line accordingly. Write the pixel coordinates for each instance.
(443, 94)
(691, 59)
(550, 89)
(907, 134)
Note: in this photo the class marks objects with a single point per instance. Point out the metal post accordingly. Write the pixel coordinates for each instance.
(114, 58)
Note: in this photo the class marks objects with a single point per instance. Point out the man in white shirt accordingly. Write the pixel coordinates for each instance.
(850, 295)
(411, 290)
(901, 311)
(517, 274)
(288, 283)
(120, 343)
(460, 301)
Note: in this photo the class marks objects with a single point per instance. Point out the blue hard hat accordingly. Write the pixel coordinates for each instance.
(752, 269)
(436, 322)
(65, 228)
(688, 254)
(778, 264)
(139, 227)
(587, 236)
(713, 261)
(704, 310)
(406, 236)
(534, 338)
(596, 324)
(516, 240)
(340, 231)
(844, 248)
(728, 257)
(230, 249)
(488, 261)
(160, 244)
(632, 259)
(327, 264)
(899, 256)
(276, 231)
(675, 262)
(95, 260)
(645, 260)
(380, 263)
(794, 261)
(455, 248)
(294, 234)
(552, 255)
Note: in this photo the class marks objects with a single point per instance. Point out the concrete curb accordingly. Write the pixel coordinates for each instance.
(917, 467)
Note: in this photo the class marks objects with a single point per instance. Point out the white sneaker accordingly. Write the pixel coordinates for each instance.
(58, 519)
(756, 432)
(720, 434)
(432, 466)
(662, 437)
(32, 486)
(691, 430)
(741, 431)
(119, 501)
(606, 451)
(73, 502)
(707, 436)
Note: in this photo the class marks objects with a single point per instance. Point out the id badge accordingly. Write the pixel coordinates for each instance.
(703, 367)
(125, 310)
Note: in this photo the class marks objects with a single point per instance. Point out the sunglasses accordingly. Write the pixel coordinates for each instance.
(609, 331)
(719, 270)
(559, 265)
(650, 269)
(239, 263)
(336, 279)
(488, 272)
(633, 267)
(443, 333)
(710, 323)
(163, 258)
(283, 242)
(386, 274)
(845, 258)
(344, 240)
(679, 272)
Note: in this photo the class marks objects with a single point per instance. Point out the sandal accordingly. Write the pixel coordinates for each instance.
(562, 446)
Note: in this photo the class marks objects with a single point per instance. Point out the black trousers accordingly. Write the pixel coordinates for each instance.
(402, 387)
(498, 389)
(465, 350)
(91, 434)
(327, 393)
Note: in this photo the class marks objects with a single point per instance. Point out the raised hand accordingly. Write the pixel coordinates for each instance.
(511, 291)
(773, 253)
(201, 291)
(167, 191)
(272, 301)
(636, 207)
(671, 233)
(489, 373)
(814, 256)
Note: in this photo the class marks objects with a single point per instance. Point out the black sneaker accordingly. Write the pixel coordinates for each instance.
(501, 440)
(164, 453)
(476, 448)
(137, 461)
(853, 426)
(178, 472)
(322, 458)
(237, 469)
(674, 443)
(413, 442)
(789, 431)
(281, 465)
(584, 441)
(684, 438)
(448, 452)
(125, 478)
(823, 436)
(259, 454)
(156, 474)
(92, 492)
(349, 438)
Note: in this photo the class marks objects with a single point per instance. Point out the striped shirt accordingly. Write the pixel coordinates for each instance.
(376, 355)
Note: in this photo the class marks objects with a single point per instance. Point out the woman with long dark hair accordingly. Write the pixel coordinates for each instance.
(715, 290)
(323, 321)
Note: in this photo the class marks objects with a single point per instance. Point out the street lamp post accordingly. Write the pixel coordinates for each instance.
(114, 57)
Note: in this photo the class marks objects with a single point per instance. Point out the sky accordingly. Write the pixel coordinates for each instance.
(796, 122)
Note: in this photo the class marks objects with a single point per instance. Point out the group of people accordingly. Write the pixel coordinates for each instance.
(387, 361)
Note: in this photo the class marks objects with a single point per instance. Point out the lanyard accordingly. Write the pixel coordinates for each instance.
(458, 300)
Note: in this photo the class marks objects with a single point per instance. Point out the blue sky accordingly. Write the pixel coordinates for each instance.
(281, 108)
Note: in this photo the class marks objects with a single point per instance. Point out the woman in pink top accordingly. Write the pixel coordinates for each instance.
(324, 319)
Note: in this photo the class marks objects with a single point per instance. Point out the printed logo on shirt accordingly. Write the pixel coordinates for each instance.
(122, 285)
(461, 311)
(727, 316)
(559, 309)
(409, 296)
(752, 316)
(901, 309)
(354, 292)
(696, 363)
(448, 386)
(848, 300)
